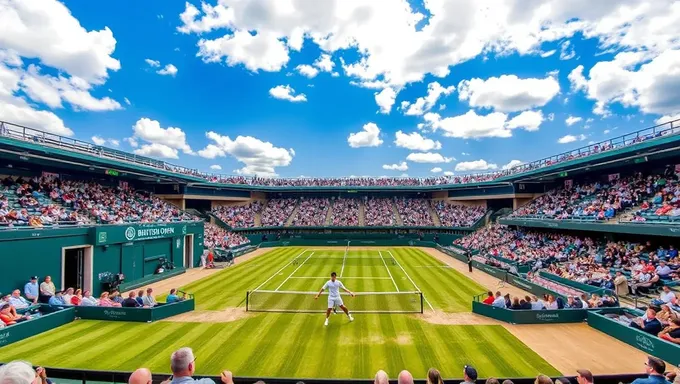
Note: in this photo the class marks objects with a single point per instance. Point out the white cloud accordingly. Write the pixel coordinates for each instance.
(263, 51)
(215, 167)
(390, 40)
(472, 125)
(127, 101)
(162, 139)
(157, 150)
(567, 51)
(153, 63)
(385, 99)
(114, 142)
(571, 120)
(324, 63)
(551, 116)
(307, 71)
(571, 138)
(415, 142)
(512, 164)
(260, 158)
(424, 104)
(285, 92)
(428, 157)
(548, 53)
(98, 140)
(368, 137)
(396, 167)
(465, 154)
(606, 131)
(436, 170)
(46, 30)
(169, 70)
(667, 118)
(132, 141)
(476, 165)
(633, 79)
(527, 120)
(448, 173)
(508, 93)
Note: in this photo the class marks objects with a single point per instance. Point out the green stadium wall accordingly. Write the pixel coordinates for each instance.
(108, 248)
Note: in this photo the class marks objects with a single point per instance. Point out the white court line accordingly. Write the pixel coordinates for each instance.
(388, 270)
(279, 271)
(343, 262)
(432, 266)
(411, 280)
(346, 277)
(292, 273)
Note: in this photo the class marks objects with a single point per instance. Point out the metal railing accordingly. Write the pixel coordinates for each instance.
(27, 134)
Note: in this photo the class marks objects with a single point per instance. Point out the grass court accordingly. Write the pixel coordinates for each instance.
(297, 344)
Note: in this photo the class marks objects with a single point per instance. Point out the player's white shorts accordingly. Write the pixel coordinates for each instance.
(334, 302)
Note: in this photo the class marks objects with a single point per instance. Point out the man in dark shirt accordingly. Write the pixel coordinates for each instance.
(469, 260)
(655, 369)
(650, 324)
(131, 302)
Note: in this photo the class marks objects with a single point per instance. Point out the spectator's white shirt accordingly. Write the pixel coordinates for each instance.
(584, 304)
(499, 302)
(537, 305)
(667, 297)
(552, 305)
(89, 302)
(663, 271)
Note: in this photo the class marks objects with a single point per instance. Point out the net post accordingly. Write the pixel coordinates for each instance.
(422, 308)
(247, 296)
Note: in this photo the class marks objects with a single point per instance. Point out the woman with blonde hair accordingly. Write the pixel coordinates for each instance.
(434, 377)
(77, 297)
(105, 301)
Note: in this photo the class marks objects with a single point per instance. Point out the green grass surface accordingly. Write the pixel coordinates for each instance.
(298, 345)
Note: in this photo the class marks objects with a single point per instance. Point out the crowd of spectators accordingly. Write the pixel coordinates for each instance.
(238, 216)
(379, 212)
(452, 215)
(345, 212)
(660, 198)
(311, 212)
(277, 211)
(414, 212)
(216, 237)
(16, 308)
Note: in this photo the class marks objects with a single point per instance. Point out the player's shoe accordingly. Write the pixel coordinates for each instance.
(335, 310)
(350, 318)
(326, 323)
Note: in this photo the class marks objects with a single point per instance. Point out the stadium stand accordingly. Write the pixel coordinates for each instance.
(379, 212)
(311, 212)
(216, 237)
(452, 215)
(277, 211)
(345, 212)
(414, 212)
(238, 216)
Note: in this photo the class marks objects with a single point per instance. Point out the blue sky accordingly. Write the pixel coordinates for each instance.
(248, 87)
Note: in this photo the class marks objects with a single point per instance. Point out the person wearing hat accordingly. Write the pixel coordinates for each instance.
(469, 374)
(31, 290)
(57, 300)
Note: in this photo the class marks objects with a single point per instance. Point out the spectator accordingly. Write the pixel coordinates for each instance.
(172, 297)
(672, 332)
(492, 380)
(584, 376)
(655, 368)
(47, 290)
(499, 301)
(648, 323)
(68, 294)
(183, 365)
(381, 378)
(620, 284)
(88, 300)
(31, 290)
(9, 318)
(140, 297)
(141, 376)
(434, 377)
(57, 300)
(21, 372)
(405, 377)
(17, 301)
(131, 302)
(489, 299)
(105, 301)
(469, 375)
(543, 379)
(149, 300)
(77, 298)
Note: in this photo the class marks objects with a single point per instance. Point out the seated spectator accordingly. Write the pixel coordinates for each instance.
(515, 304)
(666, 297)
(499, 301)
(434, 377)
(68, 295)
(105, 301)
(149, 300)
(648, 323)
(140, 297)
(655, 368)
(21, 372)
(526, 303)
(584, 376)
(17, 301)
(489, 299)
(10, 319)
(77, 297)
(141, 376)
(31, 290)
(666, 315)
(381, 378)
(183, 366)
(172, 297)
(88, 300)
(57, 300)
(672, 332)
(131, 302)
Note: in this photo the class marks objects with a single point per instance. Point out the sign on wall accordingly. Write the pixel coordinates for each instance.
(115, 234)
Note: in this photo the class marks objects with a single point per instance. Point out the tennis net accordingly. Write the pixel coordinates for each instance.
(362, 302)
(349, 260)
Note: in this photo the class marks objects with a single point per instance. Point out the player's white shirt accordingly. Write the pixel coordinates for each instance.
(333, 288)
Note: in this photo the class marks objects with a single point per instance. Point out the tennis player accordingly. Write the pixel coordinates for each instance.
(333, 286)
